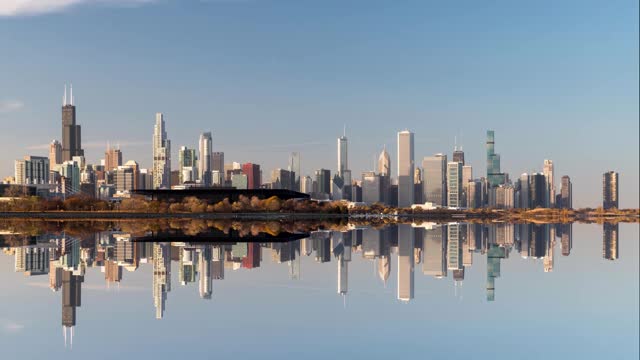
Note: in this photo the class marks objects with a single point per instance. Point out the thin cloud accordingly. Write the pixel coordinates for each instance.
(10, 8)
(10, 105)
(10, 326)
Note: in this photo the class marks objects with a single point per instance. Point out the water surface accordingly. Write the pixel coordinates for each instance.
(441, 291)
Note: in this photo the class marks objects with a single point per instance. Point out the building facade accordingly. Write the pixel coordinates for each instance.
(161, 155)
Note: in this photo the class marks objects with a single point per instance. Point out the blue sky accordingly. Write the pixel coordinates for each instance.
(555, 80)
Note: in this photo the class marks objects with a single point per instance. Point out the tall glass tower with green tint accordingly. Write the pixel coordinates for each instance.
(494, 175)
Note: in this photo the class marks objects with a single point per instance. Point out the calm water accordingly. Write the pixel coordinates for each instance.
(449, 291)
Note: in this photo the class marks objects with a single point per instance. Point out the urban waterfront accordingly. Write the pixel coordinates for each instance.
(450, 290)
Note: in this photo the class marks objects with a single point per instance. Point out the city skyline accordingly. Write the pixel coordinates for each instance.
(570, 85)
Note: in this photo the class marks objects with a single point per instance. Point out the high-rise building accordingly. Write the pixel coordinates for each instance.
(294, 166)
(405, 169)
(610, 188)
(306, 185)
(384, 163)
(112, 158)
(343, 185)
(610, 241)
(218, 162)
(125, 178)
(206, 158)
(454, 184)
(524, 198)
(55, 153)
(32, 170)
(187, 159)
(538, 191)
(494, 175)
(467, 176)
(282, 179)
(435, 179)
(371, 191)
(253, 175)
(323, 181)
(161, 155)
(71, 133)
(547, 170)
(458, 156)
(566, 193)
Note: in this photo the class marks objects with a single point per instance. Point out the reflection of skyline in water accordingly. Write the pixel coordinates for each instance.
(440, 251)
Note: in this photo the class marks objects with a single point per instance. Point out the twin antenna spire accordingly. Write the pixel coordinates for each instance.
(64, 99)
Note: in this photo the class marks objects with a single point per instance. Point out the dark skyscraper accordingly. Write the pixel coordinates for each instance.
(218, 162)
(458, 155)
(71, 139)
(610, 190)
(566, 193)
(537, 191)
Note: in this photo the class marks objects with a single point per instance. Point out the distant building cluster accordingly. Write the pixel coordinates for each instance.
(437, 180)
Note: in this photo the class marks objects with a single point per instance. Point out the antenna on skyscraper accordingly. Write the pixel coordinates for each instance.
(455, 143)
(71, 95)
(64, 98)
(344, 131)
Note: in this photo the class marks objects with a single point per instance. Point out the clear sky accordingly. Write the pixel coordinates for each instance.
(555, 80)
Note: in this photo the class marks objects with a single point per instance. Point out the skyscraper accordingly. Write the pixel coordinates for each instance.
(161, 155)
(610, 188)
(71, 133)
(458, 155)
(343, 184)
(537, 191)
(218, 162)
(384, 163)
(112, 158)
(323, 181)
(566, 193)
(205, 160)
(547, 170)
(55, 153)
(294, 166)
(253, 175)
(405, 168)
(187, 159)
(494, 175)
(32, 170)
(454, 184)
(435, 176)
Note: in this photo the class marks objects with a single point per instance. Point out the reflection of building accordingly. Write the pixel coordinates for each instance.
(454, 248)
(204, 269)
(71, 299)
(434, 244)
(494, 254)
(406, 242)
(161, 276)
(566, 237)
(610, 241)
